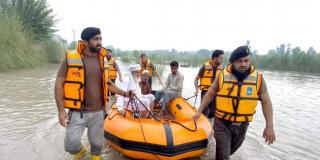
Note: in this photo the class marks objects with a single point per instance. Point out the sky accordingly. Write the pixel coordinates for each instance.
(193, 24)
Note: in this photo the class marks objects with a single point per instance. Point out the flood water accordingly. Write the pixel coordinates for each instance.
(29, 127)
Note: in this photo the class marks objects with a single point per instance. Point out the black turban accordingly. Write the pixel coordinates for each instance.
(240, 52)
(89, 32)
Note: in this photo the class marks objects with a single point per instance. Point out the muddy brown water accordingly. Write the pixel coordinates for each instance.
(29, 127)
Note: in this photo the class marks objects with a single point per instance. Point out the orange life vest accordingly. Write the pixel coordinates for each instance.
(146, 67)
(112, 68)
(75, 79)
(237, 101)
(209, 75)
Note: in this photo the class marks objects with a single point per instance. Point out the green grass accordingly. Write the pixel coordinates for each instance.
(19, 50)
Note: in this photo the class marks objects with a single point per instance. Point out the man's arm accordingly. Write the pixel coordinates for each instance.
(59, 94)
(119, 72)
(114, 89)
(266, 104)
(196, 80)
(212, 91)
(154, 69)
(196, 84)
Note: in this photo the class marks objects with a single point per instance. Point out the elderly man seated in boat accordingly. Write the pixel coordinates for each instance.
(171, 89)
(141, 103)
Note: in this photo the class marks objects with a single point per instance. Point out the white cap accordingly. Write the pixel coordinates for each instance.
(135, 67)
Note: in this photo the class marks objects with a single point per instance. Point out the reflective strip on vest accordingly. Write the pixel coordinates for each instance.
(75, 61)
(208, 76)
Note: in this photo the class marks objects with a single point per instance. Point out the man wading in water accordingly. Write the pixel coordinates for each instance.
(81, 86)
(237, 90)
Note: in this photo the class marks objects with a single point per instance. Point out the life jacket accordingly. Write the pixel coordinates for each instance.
(146, 67)
(112, 68)
(75, 79)
(209, 75)
(237, 101)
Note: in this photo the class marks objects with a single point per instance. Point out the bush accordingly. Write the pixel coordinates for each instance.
(16, 48)
(54, 51)
(19, 50)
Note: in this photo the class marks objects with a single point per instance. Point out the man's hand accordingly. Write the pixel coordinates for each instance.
(161, 83)
(197, 91)
(268, 135)
(130, 94)
(196, 116)
(63, 118)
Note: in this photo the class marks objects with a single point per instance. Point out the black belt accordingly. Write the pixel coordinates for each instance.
(232, 123)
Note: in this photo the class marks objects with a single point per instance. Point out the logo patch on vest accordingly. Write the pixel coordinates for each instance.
(249, 91)
(76, 74)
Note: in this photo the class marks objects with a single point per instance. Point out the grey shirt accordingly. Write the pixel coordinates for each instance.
(174, 83)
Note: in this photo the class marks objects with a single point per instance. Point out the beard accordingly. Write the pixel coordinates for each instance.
(241, 75)
(95, 49)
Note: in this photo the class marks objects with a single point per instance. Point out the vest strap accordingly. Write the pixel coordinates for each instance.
(236, 97)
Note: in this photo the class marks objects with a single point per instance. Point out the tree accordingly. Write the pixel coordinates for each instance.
(288, 51)
(281, 49)
(248, 44)
(110, 47)
(73, 45)
(204, 52)
(36, 16)
(311, 51)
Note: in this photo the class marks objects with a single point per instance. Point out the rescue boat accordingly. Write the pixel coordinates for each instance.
(158, 139)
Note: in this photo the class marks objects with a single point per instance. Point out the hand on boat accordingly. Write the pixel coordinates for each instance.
(268, 135)
(196, 116)
(63, 118)
(197, 92)
(131, 94)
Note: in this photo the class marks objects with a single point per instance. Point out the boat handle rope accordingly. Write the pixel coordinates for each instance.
(191, 97)
(192, 130)
(195, 101)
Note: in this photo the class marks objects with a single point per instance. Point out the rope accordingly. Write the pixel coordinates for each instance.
(190, 97)
(153, 116)
(192, 130)
(195, 101)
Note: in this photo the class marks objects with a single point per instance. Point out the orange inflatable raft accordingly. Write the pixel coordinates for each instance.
(143, 138)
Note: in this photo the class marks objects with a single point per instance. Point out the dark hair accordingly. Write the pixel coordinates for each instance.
(174, 64)
(109, 50)
(217, 53)
(143, 55)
